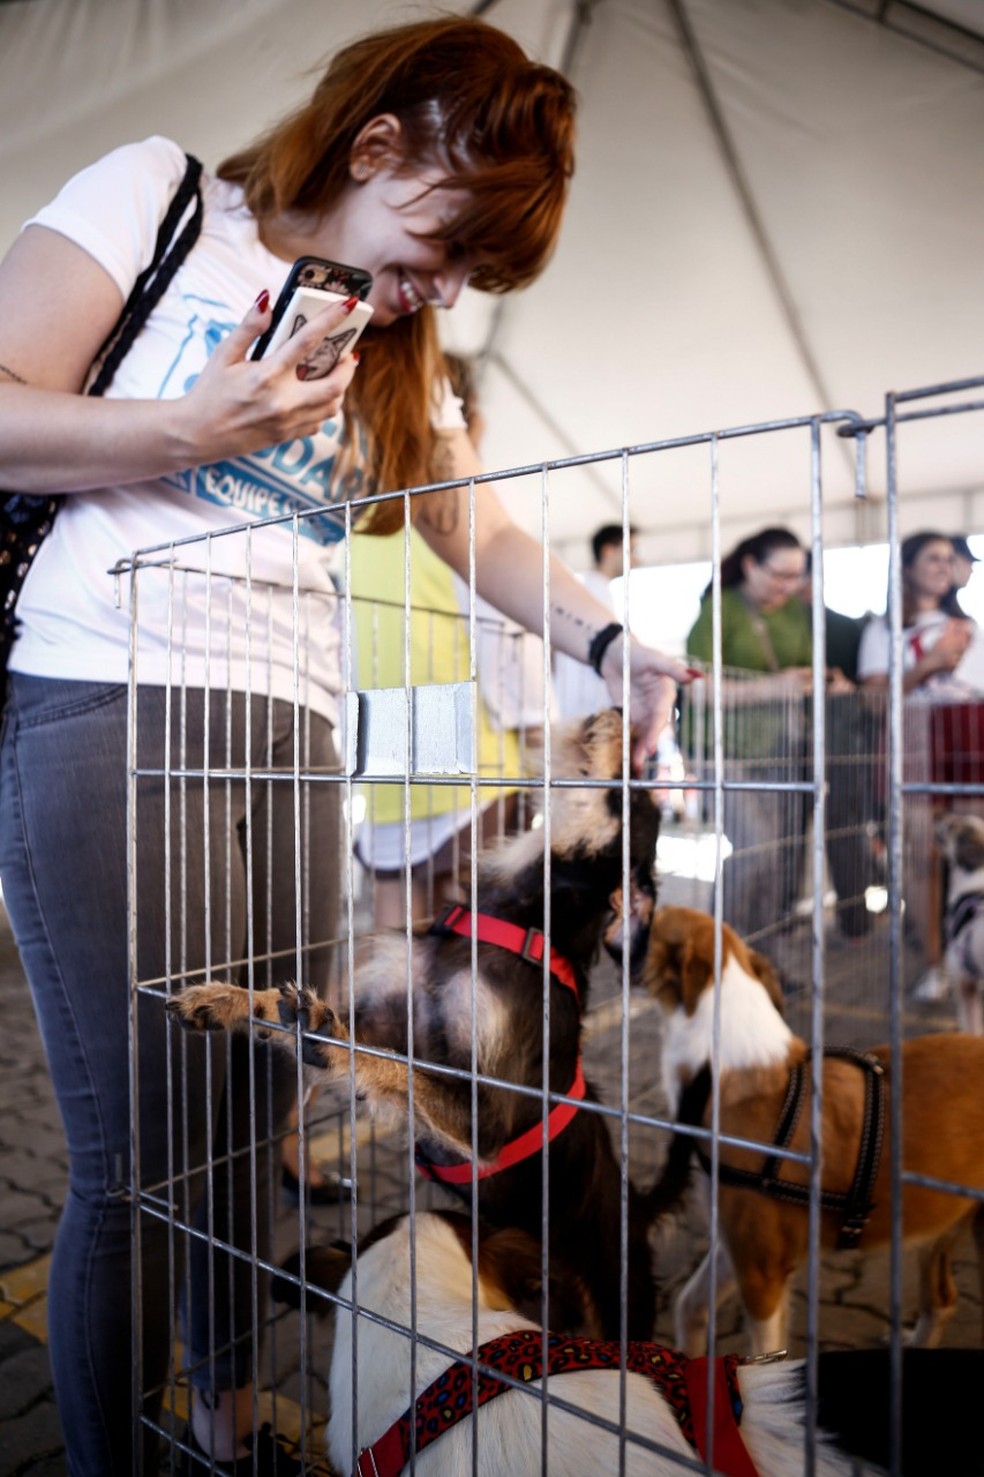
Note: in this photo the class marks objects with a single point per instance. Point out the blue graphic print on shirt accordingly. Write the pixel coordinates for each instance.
(295, 477)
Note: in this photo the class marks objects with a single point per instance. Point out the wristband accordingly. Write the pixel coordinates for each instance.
(600, 644)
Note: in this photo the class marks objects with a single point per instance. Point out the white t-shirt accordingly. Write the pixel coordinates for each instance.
(964, 683)
(215, 612)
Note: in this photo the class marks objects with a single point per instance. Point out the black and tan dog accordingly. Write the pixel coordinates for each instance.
(496, 1010)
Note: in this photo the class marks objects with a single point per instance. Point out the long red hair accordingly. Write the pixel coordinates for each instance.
(466, 96)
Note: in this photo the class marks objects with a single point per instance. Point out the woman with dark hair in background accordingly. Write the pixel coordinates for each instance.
(430, 155)
(766, 652)
(964, 560)
(935, 632)
(943, 731)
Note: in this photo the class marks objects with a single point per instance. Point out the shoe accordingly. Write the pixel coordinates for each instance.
(271, 1456)
(932, 987)
(330, 1191)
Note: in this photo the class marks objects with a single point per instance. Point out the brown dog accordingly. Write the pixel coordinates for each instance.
(764, 1238)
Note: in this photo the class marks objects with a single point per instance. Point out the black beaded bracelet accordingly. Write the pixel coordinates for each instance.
(600, 644)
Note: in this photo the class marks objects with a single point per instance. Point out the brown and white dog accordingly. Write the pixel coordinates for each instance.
(502, 1003)
(763, 1239)
(961, 841)
(433, 1257)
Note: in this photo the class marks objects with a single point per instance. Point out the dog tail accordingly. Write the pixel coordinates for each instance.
(670, 1188)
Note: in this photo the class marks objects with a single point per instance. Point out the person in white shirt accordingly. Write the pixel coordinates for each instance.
(431, 154)
(942, 666)
(936, 635)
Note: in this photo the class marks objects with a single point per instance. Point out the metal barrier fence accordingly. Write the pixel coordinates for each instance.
(806, 825)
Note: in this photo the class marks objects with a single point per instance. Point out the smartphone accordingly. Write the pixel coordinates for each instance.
(311, 284)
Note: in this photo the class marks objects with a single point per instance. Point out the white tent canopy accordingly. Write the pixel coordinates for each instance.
(778, 210)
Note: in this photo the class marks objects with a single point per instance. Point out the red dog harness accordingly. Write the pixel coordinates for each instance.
(681, 1381)
(529, 944)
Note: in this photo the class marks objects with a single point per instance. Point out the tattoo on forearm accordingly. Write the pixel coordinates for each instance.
(587, 629)
(440, 511)
(441, 461)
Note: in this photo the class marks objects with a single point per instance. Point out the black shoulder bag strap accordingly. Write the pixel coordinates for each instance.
(26, 518)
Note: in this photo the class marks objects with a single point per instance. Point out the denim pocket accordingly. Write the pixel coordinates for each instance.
(34, 702)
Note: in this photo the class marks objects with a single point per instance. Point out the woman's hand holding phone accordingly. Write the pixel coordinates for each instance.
(247, 398)
(240, 404)
(313, 283)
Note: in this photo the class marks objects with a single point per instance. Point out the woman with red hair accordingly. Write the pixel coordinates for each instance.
(431, 155)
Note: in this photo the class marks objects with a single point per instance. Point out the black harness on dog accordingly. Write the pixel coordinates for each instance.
(856, 1205)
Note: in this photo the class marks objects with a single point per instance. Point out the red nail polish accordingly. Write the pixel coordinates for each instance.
(694, 672)
(349, 303)
(356, 356)
(263, 301)
(302, 372)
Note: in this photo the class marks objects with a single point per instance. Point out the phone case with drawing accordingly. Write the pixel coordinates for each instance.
(313, 283)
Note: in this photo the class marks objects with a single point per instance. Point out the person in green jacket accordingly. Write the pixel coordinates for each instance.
(766, 658)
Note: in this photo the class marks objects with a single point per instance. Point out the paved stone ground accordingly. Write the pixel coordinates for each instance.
(853, 1291)
(33, 1176)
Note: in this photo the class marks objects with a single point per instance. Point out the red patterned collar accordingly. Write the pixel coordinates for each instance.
(682, 1382)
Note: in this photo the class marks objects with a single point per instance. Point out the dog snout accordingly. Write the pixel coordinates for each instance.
(634, 921)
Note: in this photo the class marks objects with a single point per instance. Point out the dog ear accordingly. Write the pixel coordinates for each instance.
(510, 1269)
(324, 1270)
(601, 743)
(766, 972)
(695, 972)
(510, 1264)
(968, 853)
(661, 972)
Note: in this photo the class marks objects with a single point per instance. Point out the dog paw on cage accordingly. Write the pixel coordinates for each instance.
(219, 1007)
(533, 938)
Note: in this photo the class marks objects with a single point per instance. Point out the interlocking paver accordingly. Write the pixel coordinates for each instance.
(24, 1374)
(30, 1437)
(853, 1290)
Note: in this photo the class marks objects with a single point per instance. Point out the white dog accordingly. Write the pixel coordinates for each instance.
(435, 1263)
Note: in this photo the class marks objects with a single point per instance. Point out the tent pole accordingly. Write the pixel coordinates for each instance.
(924, 27)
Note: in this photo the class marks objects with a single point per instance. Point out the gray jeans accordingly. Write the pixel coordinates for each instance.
(214, 882)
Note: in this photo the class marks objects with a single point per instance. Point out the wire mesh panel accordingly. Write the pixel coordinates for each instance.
(390, 907)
